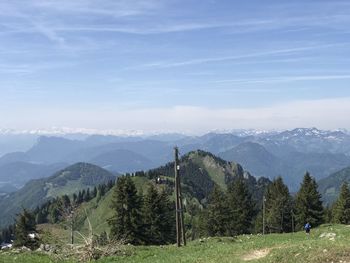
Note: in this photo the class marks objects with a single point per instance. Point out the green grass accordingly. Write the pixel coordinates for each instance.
(27, 257)
(281, 248)
(210, 165)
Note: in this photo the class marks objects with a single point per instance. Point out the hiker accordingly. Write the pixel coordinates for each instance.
(307, 228)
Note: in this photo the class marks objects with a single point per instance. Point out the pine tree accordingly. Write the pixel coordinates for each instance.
(308, 204)
(40, 217)
(240, 210)
(216, 214)
(159, 217)
(87, 195)
(25, 225)
(278, 207)
(54, 213)
(94, 192)
(341, 210)
(80, 197)
(126, 224)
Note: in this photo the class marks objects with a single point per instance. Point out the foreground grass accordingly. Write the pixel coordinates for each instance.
(282, 248)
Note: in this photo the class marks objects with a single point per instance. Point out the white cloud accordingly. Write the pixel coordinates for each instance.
(324, 114)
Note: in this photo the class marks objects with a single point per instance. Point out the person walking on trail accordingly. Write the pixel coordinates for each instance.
(307, 228)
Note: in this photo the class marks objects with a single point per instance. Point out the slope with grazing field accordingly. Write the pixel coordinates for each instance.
(328, 243)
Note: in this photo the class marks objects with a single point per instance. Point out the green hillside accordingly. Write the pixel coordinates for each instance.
(200, 171)
(65, 182)
(330, 186)
(328, 243)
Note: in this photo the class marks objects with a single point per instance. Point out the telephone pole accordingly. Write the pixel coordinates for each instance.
(264, 200)
(180, 226)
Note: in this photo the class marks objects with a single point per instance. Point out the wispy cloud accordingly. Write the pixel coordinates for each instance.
(284, 79)
(285, 51)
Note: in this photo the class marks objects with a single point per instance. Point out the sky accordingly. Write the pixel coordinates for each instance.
(174, 65)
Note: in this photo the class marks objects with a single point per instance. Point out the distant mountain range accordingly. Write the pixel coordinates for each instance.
(268, 154)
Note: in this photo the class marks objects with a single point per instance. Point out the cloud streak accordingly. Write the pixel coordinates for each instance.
(325, 114)
(284, 79)
(198, 61)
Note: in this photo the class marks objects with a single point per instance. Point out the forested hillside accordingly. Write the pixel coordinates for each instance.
(64, 182)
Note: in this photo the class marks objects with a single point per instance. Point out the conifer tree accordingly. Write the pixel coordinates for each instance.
(278, 207)
(158, 214)
(25, 225)
(126, 224)
(308, 204)
(240, 210)
(216, 214)
(341, 210)
(87, 195)
(80, 198)
(94, 192)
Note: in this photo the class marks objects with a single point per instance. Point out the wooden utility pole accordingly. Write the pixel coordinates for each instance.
(264, 199)
(72, 228)
(180, 226)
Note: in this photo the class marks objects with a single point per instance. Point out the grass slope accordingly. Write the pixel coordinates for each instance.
(67, 181)
(328, 243)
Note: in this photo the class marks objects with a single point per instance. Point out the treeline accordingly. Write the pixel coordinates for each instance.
(232, 213)
(142, 218)
(148, 218)
(54, 210)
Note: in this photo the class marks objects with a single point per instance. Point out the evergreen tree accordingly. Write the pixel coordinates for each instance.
(87, 195)
(54, 213)
(75, 197)
(240, 208)
(94, 192)
(80, 197)
(341, 210)
(278, 207)
(25, 225)
(126, 224)
(328, 213)
(308, 204)
(7, 234)
(110, 185)
(159, 217)
(65, 201)
(102, 189)
(83, 195)
(40, 217)
(216, 214)
(193, 209)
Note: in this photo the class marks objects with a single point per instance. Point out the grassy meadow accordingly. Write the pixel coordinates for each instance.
(328, 243)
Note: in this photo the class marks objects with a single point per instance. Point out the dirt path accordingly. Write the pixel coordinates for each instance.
(257, 254)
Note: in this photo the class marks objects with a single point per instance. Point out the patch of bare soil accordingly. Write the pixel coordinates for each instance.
(256, 254)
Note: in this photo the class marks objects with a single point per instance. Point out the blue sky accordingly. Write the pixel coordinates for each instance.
(174, 65)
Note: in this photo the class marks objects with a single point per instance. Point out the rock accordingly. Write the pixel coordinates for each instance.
(47, 247)
(24, 248)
